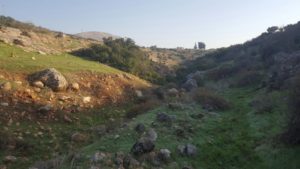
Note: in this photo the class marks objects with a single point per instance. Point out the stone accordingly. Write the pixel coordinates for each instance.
(18, 82)
(38, 84)
(175, 106)
(139, 93)
(163, 117)
(50, 78)
(45, 109)
(6, 86)
(190, 84)
(130, 162)
(41, 53)
(4, 104)
(67, 119)
(173, 92)
(150, 135)
(78, 137)
(98, 157)
(187, 150)
(10, 159)
(143, 146)
(164, 155)
(86, 99)
(140, 128)
(75, 86)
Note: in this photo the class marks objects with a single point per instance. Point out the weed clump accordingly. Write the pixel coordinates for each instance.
(210, 99)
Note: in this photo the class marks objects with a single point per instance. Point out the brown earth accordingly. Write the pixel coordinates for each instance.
(96, 90)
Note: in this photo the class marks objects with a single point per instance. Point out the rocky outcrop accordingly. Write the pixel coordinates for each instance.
(190, 84)
(50, 78)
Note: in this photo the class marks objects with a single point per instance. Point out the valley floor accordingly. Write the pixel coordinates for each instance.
(235, 139)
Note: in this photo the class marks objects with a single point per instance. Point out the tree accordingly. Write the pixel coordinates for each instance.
(272, 29)
(195, 47)
(201, 45)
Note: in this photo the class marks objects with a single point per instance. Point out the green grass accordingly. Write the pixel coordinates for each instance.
(58, 141)
(22, 62)
(234, 139)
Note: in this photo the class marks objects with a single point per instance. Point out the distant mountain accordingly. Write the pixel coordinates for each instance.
(96, 35)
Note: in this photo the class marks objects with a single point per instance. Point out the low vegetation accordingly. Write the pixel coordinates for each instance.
(125, 55)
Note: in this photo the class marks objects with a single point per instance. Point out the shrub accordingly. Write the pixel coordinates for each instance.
(18, 42)
(142, 107)
(263, 104)
(224, 71)
(123, 54)
(210, 99)
(292, 135)
(248, 78)
(25, 33)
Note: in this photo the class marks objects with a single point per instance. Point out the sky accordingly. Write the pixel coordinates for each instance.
(165, 23)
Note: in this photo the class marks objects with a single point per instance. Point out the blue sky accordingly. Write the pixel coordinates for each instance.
(165, 23)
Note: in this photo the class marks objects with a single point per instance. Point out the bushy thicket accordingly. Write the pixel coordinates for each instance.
(211, 100)
(125, 55)
(257, 54)
(292, 135)
(10, 22)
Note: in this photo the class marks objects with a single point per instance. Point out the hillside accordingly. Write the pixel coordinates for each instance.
(235, 107)
(81, 106)
(99, 36)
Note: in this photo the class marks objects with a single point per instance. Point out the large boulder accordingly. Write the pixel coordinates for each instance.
(145, 144)
(50, 78)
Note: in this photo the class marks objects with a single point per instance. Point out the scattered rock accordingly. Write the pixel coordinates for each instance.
(98, 157)
(150, 135)
(6, 86)
(173, 92)
(130, 162)
(164, 155)
(86, 99)
(38, 84)
(50, 78)
(45, 109)
(67, 119)
(41, 53)
(187, 150)
(140, 128)
(175, 106)
(78, 137)
(139, 93)
(10, 159)
(18, 82)
(190, 84)
(142, 146)
(75, 86)
(163, 117)
(4, 104)
(36, 89)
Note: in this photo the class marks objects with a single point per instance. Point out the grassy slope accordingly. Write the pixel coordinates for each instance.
(23, 62)
(58, 139)
(234, 139)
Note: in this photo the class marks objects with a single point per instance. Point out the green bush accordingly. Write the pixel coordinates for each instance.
(210, 99)
(125, 55)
